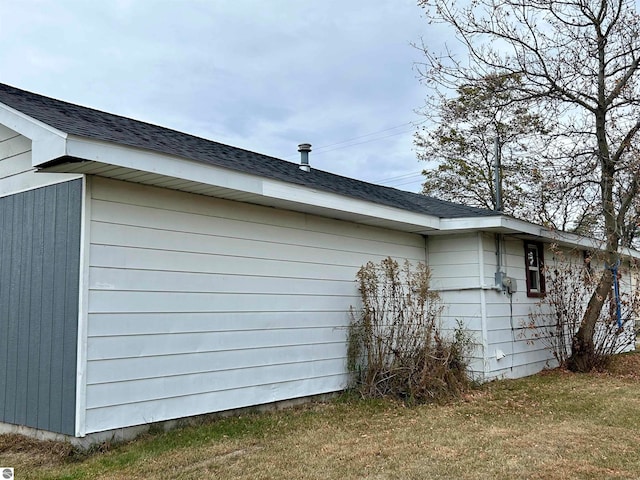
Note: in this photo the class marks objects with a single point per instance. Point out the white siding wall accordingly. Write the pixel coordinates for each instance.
(456, 274)
(15, 162)
(506, 322)
(465, 284)
(199, 305)
(16, 173)
(507, 317)
(453, 260)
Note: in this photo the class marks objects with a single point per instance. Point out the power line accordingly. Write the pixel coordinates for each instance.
(400, 180)
(399, 177)
(361, 143)
(372, 133)
(405, 183)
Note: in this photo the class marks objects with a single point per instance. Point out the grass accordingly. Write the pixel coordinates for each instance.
(555, 425)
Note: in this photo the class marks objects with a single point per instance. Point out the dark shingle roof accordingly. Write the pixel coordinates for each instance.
(97, 125)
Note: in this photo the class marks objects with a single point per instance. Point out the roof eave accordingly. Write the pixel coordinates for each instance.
(138, 165)
(525, 230)
(57, 151)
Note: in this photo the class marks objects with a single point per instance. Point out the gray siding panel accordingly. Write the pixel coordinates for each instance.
(39, 275)
(70, 342)
(36, 310)
(5, 275)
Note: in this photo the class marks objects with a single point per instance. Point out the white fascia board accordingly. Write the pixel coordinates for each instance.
(587, 243)
(565, 238)
(504, 224)
(333, 201)
(500, 223)
(48, 143)
(147, 161)
(153, 162)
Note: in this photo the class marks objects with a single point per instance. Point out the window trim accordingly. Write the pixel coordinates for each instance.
(541, 292)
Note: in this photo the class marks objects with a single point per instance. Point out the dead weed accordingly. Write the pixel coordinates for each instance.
(626, 365)
(29, 451)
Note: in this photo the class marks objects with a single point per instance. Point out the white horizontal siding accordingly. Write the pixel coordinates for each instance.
(199, 305)
(505, 370)
(463, 305)
(455, 267)
(186, 384)
(122, 301)
(507, 316)
(455, 270)
(12, 165)
(158, 323)
(171, 281)
(453, 256)
(452, 263)
(177, 343)
(470, 309)
(8, 138)
(103, 418)
(189, 362)
(229, 246)
(15, 158)
(140, 258)
(507, 334)
(464, 308)
(173, 201)
(453, 260)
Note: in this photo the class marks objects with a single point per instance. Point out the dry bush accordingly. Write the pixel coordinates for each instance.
(396, 347)
(557, 316)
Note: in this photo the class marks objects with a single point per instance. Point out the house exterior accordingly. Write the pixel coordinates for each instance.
(147, 275)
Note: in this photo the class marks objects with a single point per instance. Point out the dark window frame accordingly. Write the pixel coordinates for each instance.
(537, 268)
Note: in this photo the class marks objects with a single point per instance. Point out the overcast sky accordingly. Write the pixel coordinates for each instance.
(261, 75)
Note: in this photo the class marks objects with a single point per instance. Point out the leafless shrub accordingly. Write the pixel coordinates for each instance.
(557, 317)
(396, 347)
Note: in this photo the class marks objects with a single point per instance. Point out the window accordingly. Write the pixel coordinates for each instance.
(534, 263)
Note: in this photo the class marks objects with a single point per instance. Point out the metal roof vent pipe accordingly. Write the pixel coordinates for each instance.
(304, 149)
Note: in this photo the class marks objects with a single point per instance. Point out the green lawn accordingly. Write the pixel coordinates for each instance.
(556, 425)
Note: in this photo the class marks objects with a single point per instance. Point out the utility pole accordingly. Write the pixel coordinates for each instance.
(498, 175)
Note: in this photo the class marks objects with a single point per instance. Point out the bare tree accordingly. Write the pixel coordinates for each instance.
(579, 61)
